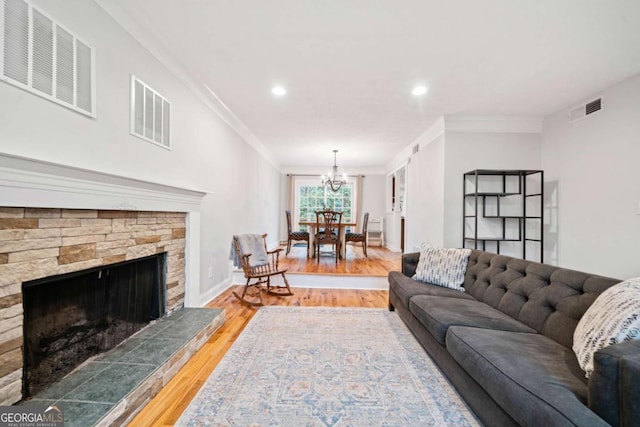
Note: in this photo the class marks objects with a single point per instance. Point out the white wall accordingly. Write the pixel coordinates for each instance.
(206, 154)
(434, 199)
(284, 205)
(373, 197)
(466, 151)
(591, 169)
(425, 200)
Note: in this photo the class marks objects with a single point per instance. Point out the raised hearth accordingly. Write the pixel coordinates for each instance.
(112, 388)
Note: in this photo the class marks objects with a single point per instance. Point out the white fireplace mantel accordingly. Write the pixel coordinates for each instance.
(40, 184)
(32, 183)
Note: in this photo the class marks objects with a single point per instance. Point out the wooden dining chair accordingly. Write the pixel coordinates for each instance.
(360, 237)
(258, 264)
(328, 231)
(295, 235)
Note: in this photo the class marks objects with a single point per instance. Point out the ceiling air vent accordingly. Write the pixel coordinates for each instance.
(594, 106)
(584, 110)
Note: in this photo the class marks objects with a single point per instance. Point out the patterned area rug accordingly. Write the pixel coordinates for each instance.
(318, 366)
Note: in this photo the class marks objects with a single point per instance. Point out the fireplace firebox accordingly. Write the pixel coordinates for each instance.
(71, 317)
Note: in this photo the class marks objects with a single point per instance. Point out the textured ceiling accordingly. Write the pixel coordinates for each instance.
(349, 65)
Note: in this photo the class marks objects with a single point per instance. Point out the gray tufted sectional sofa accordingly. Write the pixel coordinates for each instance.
(505, 343)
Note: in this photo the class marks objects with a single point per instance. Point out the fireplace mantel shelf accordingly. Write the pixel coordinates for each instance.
(36, 183)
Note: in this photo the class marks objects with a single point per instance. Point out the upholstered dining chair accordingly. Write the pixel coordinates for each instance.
(360, 237)
(328, 231)
(295, 235)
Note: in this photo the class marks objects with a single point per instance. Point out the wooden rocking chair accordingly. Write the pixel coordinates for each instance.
(258, 264)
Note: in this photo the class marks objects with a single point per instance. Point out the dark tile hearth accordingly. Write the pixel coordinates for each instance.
(112, 387)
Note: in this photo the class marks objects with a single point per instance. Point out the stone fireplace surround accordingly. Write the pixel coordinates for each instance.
(57, 219)
(37, 243)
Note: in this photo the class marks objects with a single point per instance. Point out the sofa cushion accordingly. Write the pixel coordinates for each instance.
(534, 379)
(549, 299)
(405, 288)
(437, 314)
(613, 318)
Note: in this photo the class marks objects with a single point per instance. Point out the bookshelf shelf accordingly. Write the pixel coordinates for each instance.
(493, 209)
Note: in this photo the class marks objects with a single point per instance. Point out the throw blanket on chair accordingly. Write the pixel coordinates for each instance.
(249, 244)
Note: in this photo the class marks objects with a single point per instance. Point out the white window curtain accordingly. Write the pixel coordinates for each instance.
(360, 216)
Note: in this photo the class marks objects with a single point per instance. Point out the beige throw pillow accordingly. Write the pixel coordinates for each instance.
(442, 266)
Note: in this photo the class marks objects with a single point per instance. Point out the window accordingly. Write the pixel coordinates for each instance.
(44, 58)
(311, 196)
(150, 114)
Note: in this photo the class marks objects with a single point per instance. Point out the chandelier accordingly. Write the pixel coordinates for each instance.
(333, 179)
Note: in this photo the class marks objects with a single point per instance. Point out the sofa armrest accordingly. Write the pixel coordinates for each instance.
(614, 386)
(409, 263)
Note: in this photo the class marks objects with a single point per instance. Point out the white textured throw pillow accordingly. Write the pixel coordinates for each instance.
(614, 317)
(442, 266)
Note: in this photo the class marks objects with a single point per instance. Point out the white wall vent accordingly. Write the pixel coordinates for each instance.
(583, 111)
(150, 114)
(41, 56)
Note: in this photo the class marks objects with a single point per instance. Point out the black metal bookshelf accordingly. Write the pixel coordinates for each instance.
(508, 187)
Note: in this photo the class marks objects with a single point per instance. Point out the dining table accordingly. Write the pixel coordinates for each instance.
(311, 227)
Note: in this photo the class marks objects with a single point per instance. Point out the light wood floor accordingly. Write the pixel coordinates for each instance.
(379, 261)
(168, 405)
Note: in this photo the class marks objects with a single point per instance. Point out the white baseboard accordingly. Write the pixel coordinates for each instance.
(298, 280)
(392, 248)
(237, 278)
(323, 281)
(208, 296)
(337, 282)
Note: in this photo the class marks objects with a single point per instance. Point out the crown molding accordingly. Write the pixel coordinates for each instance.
(139, 28)
(468, 123)
(493, 124)
(434, 131)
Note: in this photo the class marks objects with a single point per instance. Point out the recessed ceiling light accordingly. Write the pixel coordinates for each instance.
(419, 90)
(279, 91)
